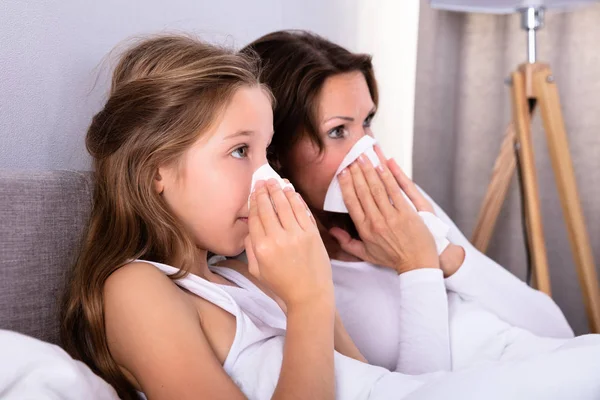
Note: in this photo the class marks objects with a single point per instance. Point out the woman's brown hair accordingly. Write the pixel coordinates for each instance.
(166, 91)
(295, 65)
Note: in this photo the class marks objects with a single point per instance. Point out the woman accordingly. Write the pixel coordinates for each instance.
(326, 98)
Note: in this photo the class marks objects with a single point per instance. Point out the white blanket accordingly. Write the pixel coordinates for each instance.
(34, 370)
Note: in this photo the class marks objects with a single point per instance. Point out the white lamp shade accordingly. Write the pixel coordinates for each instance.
(503, 6)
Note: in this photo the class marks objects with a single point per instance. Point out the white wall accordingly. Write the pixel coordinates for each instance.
(389, 31)
(52, 52)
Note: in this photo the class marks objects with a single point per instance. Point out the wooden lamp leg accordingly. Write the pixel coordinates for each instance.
(521, 118)
(502, 174)
(564, 173)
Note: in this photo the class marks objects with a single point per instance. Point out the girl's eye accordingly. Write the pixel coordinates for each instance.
(337, 133)
(240, 152)
(367, 123)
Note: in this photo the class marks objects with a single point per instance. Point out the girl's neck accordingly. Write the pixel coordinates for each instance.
(201, 269)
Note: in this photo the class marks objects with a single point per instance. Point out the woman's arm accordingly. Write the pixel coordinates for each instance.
(424, 336)
(480, 278)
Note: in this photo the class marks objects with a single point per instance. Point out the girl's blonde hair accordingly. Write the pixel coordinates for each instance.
(165, 93)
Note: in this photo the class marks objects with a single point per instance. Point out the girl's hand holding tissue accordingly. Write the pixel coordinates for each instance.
(393, 234)
(284, 248)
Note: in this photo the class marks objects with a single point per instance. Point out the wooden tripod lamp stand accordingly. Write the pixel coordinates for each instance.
(533, 86)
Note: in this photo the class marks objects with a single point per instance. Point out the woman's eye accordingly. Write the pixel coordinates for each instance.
(240, 152)
(337, 132)
(368, 121)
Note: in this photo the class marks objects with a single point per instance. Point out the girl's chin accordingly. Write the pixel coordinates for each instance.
(233, 249)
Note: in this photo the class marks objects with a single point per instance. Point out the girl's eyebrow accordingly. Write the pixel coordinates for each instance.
(237, 134)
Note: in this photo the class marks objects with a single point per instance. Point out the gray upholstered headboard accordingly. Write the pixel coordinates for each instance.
(42, 216)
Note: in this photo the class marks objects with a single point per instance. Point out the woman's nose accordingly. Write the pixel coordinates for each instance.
(360, 136)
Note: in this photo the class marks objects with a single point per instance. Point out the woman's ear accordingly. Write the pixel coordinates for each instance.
(159, 184)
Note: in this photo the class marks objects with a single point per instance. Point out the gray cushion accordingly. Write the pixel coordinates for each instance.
(42, 216)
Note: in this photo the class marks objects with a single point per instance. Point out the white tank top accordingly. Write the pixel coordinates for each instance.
(254, 360)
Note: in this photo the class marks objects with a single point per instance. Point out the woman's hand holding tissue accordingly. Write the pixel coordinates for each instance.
(393, 234)
(284, 248)
(453, 256)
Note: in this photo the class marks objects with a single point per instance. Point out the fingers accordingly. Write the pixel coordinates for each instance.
(348, 244)
(349, 195)
(255, 225)
(382, 159)
(409, 187)
(302, 214)
(282, 205)
(376, 186)
(290, 212)
(363, 192)
(393, 189)
(266, 212)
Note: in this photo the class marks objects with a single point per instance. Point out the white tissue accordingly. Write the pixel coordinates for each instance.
(334, 200)
(264, 173)
(438, 229)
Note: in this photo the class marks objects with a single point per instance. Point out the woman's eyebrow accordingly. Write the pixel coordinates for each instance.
(349, 119)
(339, 117)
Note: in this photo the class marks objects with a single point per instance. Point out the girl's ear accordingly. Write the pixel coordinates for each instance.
(159, 185)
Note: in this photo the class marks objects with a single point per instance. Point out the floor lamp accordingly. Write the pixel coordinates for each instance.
(533, 85)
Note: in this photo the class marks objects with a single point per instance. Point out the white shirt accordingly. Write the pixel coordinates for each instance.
(419, 322)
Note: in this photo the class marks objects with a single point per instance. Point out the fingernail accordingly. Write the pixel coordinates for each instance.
(361, 159)
(343, 172)
(380, 168)
(259, 184)
(272, 182)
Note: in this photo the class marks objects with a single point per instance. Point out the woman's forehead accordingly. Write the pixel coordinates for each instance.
(344, 94)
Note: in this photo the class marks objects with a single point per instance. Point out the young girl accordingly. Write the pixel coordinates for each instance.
(326, 98)
(174, 149)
